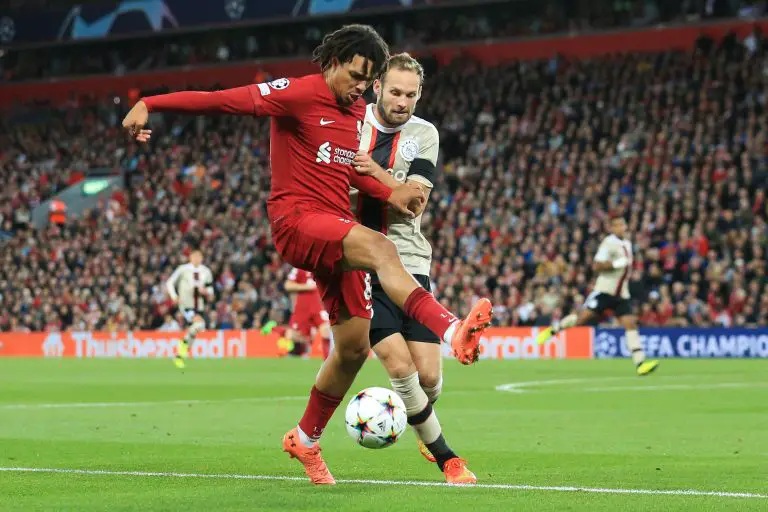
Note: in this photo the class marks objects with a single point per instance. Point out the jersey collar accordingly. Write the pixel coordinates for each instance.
(371, 118)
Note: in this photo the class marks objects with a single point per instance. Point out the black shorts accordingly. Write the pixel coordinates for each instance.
(388, 319)
(601, 302)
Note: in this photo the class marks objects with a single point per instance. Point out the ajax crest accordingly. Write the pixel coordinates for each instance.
(409, 149)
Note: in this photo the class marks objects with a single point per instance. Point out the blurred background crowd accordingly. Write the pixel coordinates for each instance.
(534, 156)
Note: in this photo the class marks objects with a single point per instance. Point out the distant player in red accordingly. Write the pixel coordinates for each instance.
(316, 123)
(308, 312)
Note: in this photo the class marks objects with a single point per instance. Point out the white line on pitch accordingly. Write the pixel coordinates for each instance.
(664, 387)
(85, 405)
(520, 387)
(556, 488)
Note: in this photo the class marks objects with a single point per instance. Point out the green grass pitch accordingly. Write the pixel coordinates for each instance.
(695, 425)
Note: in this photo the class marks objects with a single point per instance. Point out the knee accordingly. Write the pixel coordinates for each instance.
(429, 378)
(397, 367)
(383, 250)
(352, 353)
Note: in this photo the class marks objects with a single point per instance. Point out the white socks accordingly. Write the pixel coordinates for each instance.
(304, 438)
(634, 345)
(566, 323)
(420, 414)
(448, 336)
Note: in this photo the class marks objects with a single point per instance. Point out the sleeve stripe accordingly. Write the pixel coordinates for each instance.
(264, 89)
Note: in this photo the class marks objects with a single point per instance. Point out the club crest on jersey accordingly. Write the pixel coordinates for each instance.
(279, 84)
(409, 149)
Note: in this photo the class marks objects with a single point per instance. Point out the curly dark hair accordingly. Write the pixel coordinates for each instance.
(351, 40)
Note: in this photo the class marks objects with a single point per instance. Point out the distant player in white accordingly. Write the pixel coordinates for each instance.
(396, 147)
(190, 287)
(612, 263)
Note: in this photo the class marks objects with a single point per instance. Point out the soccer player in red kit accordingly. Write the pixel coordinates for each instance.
(316, 123)
(308, 311)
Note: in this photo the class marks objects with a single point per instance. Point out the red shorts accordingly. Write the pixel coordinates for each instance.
(304, 320)
(313, 241)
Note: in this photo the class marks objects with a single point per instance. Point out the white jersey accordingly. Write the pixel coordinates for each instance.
(409, 153)
(185, 283)
(615, 281)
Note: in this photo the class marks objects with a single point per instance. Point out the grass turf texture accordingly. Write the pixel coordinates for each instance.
(693, 425)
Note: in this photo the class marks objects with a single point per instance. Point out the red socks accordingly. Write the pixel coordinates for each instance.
(424, 308)
(319, 410)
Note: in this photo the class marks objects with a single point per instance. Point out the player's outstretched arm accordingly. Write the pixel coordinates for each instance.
(238, 100)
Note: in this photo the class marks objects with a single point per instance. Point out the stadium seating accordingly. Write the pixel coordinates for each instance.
(534, 156)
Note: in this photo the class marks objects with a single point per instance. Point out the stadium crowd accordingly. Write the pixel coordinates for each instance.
(534, 157)
(408, 32)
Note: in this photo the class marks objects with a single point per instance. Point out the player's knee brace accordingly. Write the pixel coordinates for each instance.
(410, 391)
(433, 393)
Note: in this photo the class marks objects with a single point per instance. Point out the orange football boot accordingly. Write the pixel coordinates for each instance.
(456, 472)
(466, 338)
(425, 451)
(313, 462)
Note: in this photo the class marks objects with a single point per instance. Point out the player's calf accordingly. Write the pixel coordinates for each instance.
(632, 335)
(335, 377)
(182, 350)
(422, 418)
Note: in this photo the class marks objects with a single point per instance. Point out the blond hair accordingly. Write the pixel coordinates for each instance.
(404, 62)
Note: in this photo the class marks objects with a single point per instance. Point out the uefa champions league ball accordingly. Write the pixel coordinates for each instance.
(376, 417)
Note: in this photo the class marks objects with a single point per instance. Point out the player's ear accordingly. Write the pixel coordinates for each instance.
(377, 87)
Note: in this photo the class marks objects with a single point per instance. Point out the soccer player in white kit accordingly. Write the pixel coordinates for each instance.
(398, 147)
(612, 263)
(190, 287)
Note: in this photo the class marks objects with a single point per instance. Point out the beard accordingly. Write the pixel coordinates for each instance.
(389, 118)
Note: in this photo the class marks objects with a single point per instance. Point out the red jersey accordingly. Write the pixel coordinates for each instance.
(309, 300)
(313, 139)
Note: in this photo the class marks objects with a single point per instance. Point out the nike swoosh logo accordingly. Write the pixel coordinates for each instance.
(323, 122)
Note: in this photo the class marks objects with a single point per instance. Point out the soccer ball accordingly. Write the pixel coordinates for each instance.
(376, 417)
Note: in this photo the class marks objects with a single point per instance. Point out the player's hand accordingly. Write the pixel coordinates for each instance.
(365, 165)
(408, 199)
(135, 121)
